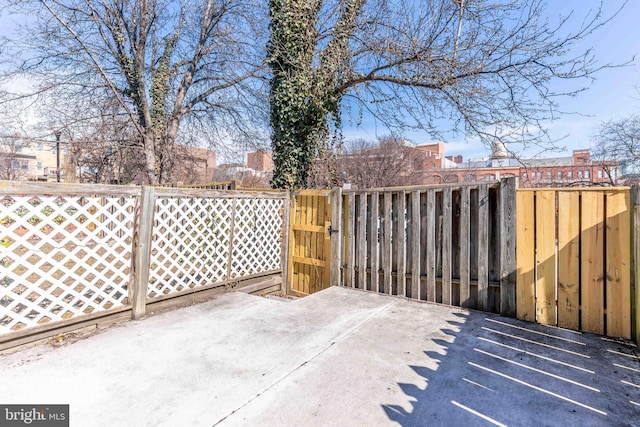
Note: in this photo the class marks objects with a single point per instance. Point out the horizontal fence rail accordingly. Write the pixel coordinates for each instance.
(451, 244)
(74, 252)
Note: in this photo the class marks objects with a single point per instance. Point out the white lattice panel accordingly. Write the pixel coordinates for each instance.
(190, 245)
(191, 241)
(257, 237)
(62, 257)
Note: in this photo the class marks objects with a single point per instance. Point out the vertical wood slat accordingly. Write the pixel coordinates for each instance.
(508, 247)
(431, 245)
(336, 236)
(525, 256)
(361, 248)
(635, 263)
(373, 241)
(592, 267)
(618, 253)
(351, 244)
(142, 253)
(386, 243)
(546, 257)
(294, 269)
(326, 244)
(464, 246)
(483, 250)
(285, 245)
(308, 245)
(402, 242)
(312, 241)
(568, 259)
(415, 244)
(446, 246)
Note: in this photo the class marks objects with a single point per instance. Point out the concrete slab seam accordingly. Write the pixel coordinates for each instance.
(341, 337)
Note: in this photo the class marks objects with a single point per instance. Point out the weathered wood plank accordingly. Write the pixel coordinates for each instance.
(351, 242)
(569, 259)
(508, 247)
(465, 260)
(592, 266)
(286, 245)
(401, 252)
(618, 206)
(386, 243)
(431, 245)
(446, 246)
(373, 241)
(336, 237)
(415, 244)
(483, 248)
(142, 253)
(361, 245)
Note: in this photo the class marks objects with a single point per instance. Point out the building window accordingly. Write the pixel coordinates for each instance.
(39, 165)
(24, 165)
(524, 175)
(15, 164)
(570, 174)
(549, 175)
(579, 174)
(539, 175)
(40, 147)
(586, 174)
(599, 173)
(559, 174)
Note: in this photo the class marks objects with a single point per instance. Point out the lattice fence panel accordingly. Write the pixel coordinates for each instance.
(62, 257)
(257, 236)
(192, 241)
(190, 245)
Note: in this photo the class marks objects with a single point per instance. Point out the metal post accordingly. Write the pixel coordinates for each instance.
(58, 133)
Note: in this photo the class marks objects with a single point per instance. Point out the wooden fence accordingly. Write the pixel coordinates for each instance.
(448, 244)
(574, 258)
(309, 242)
(72, 253)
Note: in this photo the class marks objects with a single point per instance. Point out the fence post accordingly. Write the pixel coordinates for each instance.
(286, 249)
(143, 253)
(635, 263)
(508, 265)
(337, 228)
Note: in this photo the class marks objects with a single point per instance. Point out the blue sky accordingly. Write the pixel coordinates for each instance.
(615, 92)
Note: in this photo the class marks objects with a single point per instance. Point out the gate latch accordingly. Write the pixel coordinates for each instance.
(331, 230)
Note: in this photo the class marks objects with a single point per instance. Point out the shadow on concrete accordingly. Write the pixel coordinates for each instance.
(491, 370)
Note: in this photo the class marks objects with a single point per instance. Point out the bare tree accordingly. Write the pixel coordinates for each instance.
(367, 164)
(616, 147)
(163, 62)
(485, 68)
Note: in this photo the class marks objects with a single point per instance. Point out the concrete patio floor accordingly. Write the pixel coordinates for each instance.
(339, 357)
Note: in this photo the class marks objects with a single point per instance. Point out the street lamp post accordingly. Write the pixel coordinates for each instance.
(58, 133)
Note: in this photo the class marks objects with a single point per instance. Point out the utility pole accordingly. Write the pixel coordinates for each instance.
(58, 133)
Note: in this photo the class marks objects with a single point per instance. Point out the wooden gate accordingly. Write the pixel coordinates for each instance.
(573, 259)
(309, 242)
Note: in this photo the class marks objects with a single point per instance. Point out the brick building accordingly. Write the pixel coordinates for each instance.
(260, 160)
(428, 164)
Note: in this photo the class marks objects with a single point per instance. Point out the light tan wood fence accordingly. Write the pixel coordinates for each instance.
(309, 242)
(574, 258)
